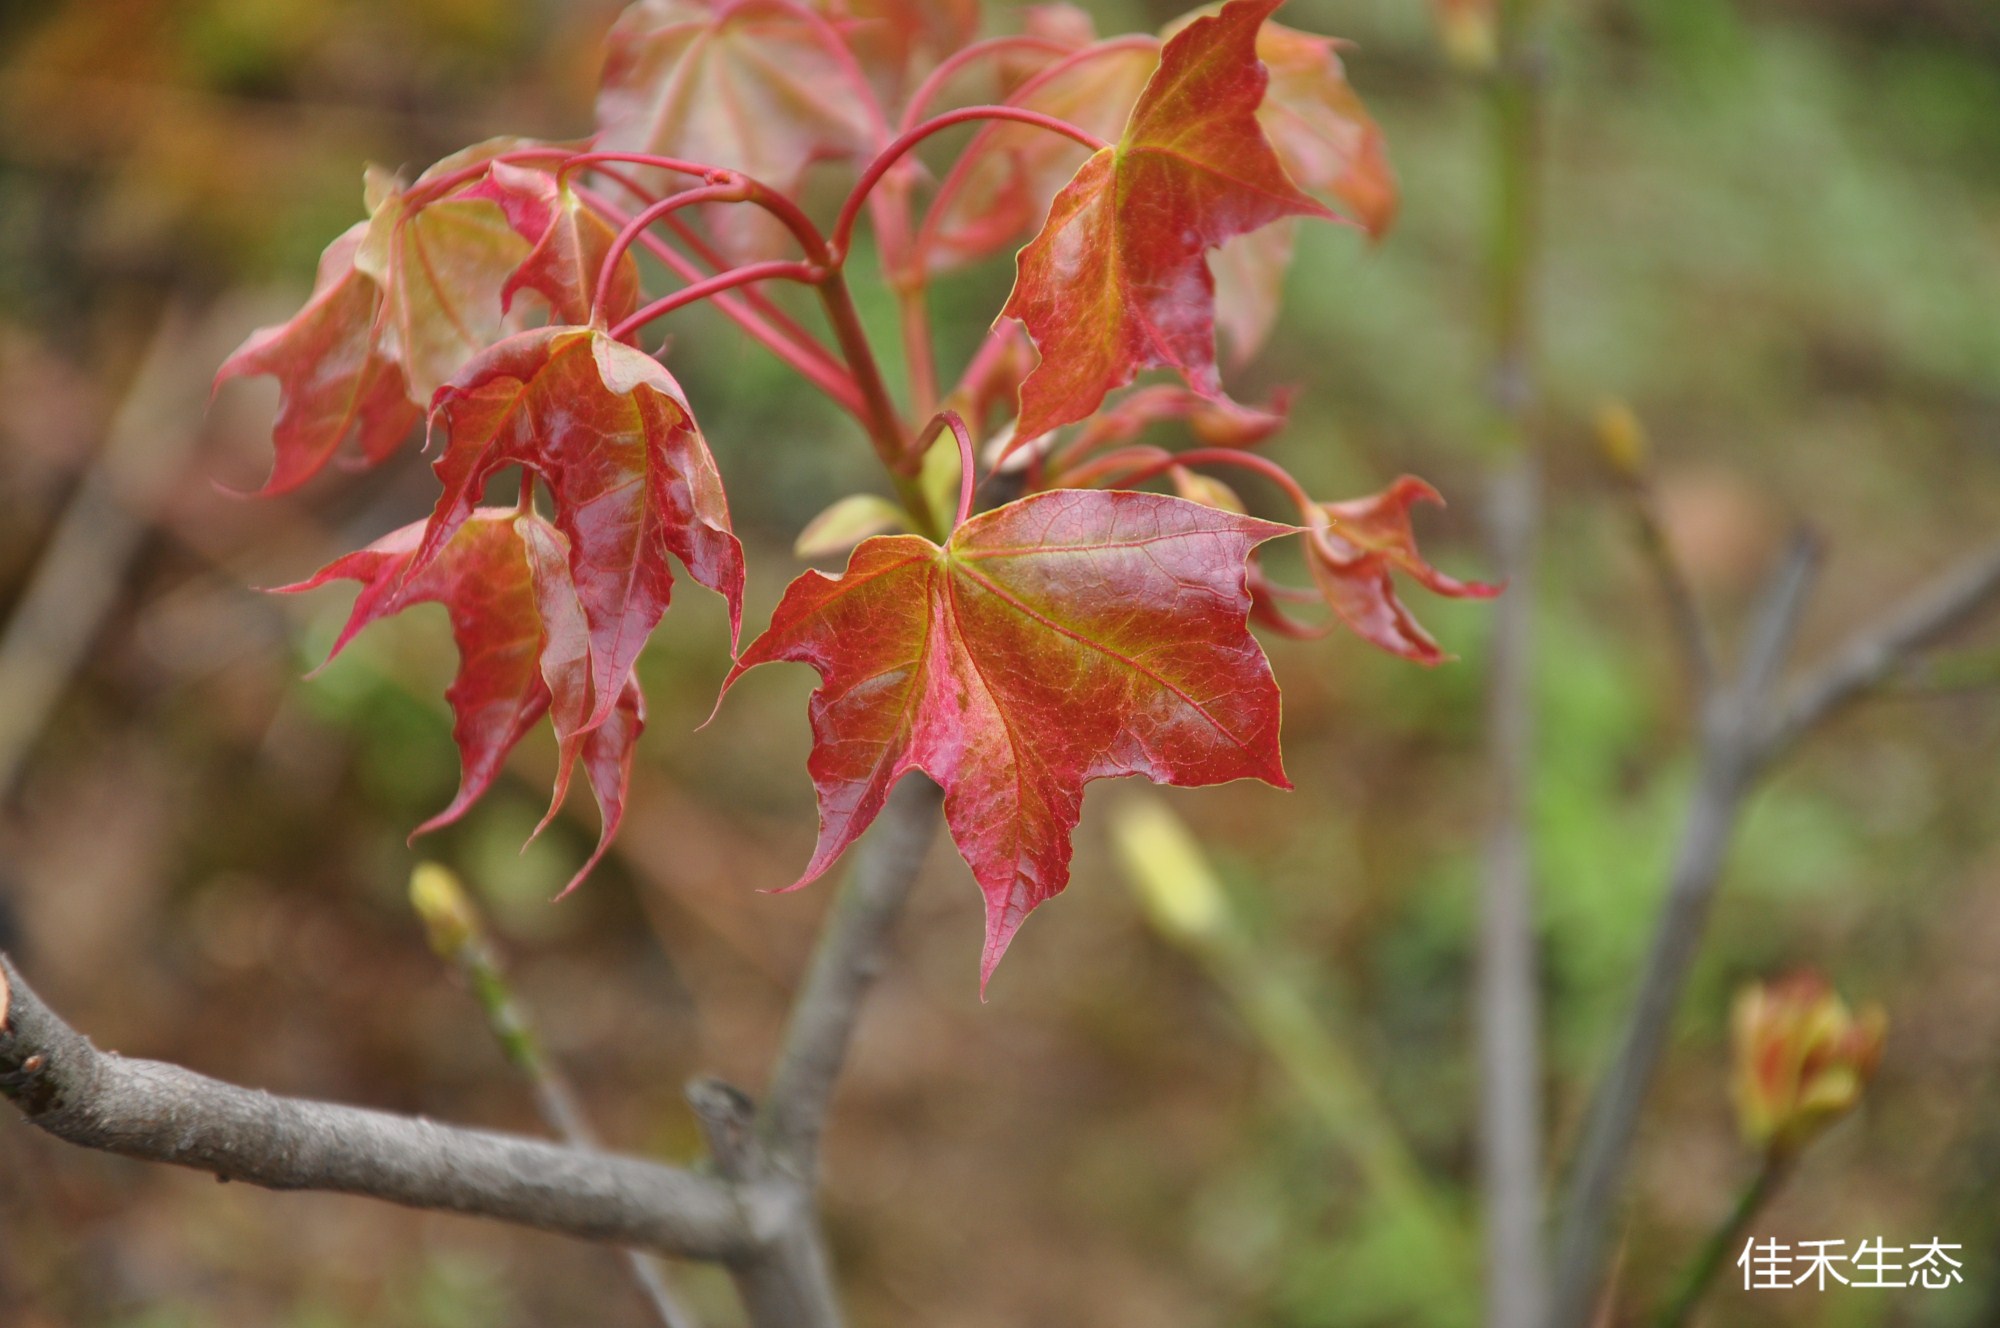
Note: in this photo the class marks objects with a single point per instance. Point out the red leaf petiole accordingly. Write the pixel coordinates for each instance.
(765, 322)
(850, 212)
(935, 82)
(808, 273)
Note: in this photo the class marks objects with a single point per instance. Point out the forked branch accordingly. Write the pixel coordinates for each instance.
(1745, 727)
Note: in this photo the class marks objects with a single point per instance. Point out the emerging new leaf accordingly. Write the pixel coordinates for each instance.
(441, 267)
(1071, 636)
(1802, 1058)
(1354, 548)
(610, 433)
(1117, 282)
(503, 578)
(334, 383)
(402, 301)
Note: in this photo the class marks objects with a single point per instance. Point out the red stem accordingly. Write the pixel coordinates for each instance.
(723, 281)
(709, 254)
(578, 160)
(946, 71)
(1144, 463)
(797, 349)
(850, 212)
(967, 465)
(644, 218)
(961, 169)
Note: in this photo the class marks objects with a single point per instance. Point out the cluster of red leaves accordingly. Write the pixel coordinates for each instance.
(1078, 633)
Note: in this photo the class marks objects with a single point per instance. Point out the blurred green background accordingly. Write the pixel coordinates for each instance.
(1773, 226)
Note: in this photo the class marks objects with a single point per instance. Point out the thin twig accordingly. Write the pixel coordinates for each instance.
(1738, 742)
(458, 934)
(1728, 762)
(1690, 629)
(1873, 654)
(162, 1113)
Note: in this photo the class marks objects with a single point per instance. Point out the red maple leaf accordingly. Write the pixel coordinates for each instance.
(606, 427)
(1071, 636)
(402, 300)
(1117, 282)
(523, 650)
(334, 384)
(1355, 547)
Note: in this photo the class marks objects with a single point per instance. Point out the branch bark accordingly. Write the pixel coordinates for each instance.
(844, 966)
(163, 1113)
(758, 1217)
(789, 1284)
(1872, 655)
(1508, 1004)
(1739, 740)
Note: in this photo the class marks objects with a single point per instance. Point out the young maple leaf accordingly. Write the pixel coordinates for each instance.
(402, 300)
(746, 86)
(441, 267)
(1355, 547)
(1116, 282)
(1070, 636)
(1331, 147)
(1323, 135)
(606, 427)
(504, 580)
(334, 383)
(569, 244)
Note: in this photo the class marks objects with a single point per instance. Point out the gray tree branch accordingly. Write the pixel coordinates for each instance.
(163, 1113)
(758, 1217)
(775, 1153)
(850, 955)
(1727, 763)
(1873, 654)
(1739, 739)
(1508, 993)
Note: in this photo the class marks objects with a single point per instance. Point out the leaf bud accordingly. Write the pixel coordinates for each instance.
(1802, 1059)
(1621, 439)
(1168, 870)
(450, 921)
